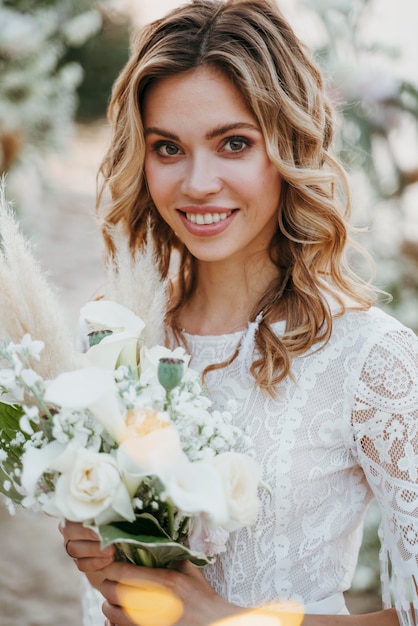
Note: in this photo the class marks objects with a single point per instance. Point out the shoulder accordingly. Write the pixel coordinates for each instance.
(385, 352)
(372, 328)
(374, 322)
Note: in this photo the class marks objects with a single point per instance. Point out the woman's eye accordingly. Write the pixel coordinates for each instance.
(236, 144)
(167, 149)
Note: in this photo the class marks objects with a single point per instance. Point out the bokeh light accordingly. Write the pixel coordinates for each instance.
(149, 603)
(275, 614)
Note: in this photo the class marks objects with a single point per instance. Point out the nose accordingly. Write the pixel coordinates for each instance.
(201, 176)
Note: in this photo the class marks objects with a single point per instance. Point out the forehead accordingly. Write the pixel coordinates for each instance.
(204, 95)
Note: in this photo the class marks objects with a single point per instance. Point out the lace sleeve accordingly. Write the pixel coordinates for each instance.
(385, 422)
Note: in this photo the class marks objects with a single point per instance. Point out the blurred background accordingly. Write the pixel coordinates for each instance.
(58, 61)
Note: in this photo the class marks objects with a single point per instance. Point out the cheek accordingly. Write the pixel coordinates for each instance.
(151, 177)
(160, 186)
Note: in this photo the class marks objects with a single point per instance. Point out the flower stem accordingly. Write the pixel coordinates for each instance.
(170, 519)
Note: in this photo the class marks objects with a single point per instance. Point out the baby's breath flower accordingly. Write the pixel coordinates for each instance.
(25, 425)
(18, 440)
(31, 347)
(30, 378)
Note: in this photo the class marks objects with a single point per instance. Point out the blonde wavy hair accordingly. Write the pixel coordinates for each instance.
(253, 45)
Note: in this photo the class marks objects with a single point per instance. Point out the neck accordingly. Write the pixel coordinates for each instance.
(226, 297)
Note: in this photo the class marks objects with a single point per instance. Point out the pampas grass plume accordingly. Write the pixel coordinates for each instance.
(27, 302)
(135, 282)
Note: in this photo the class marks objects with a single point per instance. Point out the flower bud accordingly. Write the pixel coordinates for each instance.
(170, 372)
(96, 336)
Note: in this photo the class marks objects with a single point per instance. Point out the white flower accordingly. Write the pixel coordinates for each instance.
(8, 381)
(89, 488)
(241, 477)
(153, 454)
(30, 378)
(33, 346)
(36, 461)
(197, 488)
(121, 346)
(25, 425)
(93, 388)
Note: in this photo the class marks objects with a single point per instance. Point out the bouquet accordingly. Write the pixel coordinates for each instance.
(121, 436)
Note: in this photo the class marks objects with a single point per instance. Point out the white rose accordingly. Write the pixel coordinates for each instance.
(241, 477)
(89, 488)
(197, 488)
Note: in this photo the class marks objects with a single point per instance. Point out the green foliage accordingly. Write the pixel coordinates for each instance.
(101, 57)
(38, 96)
(144, 542)
(9, 422)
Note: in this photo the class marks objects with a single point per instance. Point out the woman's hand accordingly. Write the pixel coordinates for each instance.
(139, 596)
(83, 546)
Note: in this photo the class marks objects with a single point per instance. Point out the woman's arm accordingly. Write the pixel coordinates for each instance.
(132, 593)
(385, 426)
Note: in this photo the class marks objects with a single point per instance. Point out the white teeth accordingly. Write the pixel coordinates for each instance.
(207, 218)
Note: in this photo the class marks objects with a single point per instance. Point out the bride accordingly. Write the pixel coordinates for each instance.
(222, 135)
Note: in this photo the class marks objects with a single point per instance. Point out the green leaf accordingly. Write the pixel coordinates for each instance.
(14, 495)
(9, 427)
(9, 421)
(145, 542)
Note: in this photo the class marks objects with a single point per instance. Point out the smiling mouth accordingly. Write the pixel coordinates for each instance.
(207, 218)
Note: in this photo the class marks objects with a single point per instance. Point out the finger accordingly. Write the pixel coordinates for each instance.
(80, 549)
(75, 530)
(136, 574)
(144, 603)
(115, 615)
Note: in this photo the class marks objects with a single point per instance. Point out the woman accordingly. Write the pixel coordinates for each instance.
(221, 138)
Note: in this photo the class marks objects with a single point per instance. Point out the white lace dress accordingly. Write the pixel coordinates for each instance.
(343, 431)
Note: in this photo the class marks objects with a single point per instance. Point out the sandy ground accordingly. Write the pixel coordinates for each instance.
(39, 584)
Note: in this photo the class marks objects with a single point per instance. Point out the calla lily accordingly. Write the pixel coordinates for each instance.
(91, 388)
(154, 454)
(36, 461)
(120, 347)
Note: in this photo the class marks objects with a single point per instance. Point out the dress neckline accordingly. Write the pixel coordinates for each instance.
(279, 327)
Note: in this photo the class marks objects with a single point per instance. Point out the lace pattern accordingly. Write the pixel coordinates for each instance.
(385, 419)
(344, 433)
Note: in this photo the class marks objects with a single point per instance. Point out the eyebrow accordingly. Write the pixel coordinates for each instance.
(212, 134)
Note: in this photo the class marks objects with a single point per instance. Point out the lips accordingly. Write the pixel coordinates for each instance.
(206, 221)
